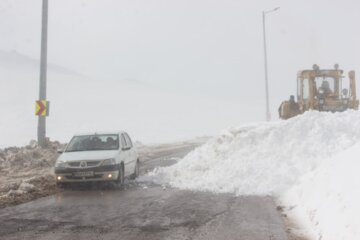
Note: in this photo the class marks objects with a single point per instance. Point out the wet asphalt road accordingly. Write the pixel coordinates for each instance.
(143, 210)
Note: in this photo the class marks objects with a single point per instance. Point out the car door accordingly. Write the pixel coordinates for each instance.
(131, 152)
(125, 154)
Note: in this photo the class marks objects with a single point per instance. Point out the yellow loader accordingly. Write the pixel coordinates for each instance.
(321, 90)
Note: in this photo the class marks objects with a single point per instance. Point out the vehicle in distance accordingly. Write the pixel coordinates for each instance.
(321, 90)
(106, 156)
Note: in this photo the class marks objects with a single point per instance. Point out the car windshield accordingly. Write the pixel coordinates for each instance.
(93, 143)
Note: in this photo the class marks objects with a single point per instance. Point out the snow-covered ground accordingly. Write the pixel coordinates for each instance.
(81, 103)
(309, 163)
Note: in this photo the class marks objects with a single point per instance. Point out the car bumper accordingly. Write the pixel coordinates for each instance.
(101, 173)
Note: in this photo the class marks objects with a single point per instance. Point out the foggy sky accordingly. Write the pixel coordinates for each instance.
(195, 47)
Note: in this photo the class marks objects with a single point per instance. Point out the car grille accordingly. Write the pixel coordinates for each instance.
(96, 176)
(88, 164)
(74, 164)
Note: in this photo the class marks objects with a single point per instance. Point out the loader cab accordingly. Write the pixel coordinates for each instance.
(302, 89)
(304, 94)
(326, 85)
(322, 90)
(316, 84)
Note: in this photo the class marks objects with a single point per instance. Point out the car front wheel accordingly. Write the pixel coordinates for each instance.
(121, 177)
(136, 170)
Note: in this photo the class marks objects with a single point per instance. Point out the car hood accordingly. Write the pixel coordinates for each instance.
(87, 155)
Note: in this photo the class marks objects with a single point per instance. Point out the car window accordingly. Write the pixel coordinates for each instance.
(128, 140)
(123, 141)
(93, 142)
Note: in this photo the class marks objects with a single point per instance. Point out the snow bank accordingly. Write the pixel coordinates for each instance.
(309, 163)
(329, 197)
(26, 173)
(264, 158)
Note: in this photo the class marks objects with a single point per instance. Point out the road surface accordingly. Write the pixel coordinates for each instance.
(143, 210)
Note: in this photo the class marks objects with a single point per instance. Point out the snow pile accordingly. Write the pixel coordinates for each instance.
(14, 159)
(329, 198)
(266, 158)
(23, 188)
(26, 173)
(310, 163)
(18, 191)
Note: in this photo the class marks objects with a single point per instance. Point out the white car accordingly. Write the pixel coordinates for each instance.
(104, 156)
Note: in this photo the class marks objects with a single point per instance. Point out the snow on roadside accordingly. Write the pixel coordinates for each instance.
(26, 173)
(264, 158)
(290, 160)
(329, 197)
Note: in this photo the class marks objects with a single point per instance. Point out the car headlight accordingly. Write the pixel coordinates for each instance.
(110, 161)
(61, 164)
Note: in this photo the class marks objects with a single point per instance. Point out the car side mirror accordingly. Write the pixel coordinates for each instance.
(125, 148)
(60, 151)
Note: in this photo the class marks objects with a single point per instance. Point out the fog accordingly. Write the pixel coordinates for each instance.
(197, 48)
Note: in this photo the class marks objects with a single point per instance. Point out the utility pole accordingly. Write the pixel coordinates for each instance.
(43, 71)
(268, 114)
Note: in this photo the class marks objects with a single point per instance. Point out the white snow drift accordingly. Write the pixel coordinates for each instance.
(329, 198)
(291, 160)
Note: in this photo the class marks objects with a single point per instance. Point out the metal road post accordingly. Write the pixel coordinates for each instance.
(268, 114)
(43, 70)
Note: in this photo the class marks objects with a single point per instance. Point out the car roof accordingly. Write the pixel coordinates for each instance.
(98, 133)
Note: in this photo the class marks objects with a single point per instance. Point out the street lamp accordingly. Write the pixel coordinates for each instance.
(268, 115)
(43, 73)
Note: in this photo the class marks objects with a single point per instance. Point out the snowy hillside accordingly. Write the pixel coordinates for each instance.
(12, 60)
(291, 160)
(80, 103)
